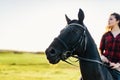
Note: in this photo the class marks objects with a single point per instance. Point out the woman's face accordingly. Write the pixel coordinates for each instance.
(112, 21)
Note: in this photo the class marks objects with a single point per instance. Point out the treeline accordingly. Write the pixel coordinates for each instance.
(20, 52)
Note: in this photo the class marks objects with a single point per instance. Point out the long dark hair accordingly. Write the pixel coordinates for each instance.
(117, 16)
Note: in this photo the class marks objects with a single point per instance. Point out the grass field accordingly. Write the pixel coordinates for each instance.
(27, 66)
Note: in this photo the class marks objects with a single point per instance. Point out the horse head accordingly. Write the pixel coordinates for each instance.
(68, 41)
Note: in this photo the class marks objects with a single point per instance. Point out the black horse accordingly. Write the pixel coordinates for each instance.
(75, 40)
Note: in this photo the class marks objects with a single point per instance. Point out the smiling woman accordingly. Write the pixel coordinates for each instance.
(31, 25)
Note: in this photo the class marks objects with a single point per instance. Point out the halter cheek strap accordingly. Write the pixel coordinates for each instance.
(82, 40)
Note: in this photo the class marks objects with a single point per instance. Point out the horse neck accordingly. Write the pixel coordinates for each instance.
(91, 50)
(92, 70)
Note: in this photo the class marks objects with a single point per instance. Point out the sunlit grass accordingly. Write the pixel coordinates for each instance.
(34, 67)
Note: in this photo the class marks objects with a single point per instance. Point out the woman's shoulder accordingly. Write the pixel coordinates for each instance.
(107, 33)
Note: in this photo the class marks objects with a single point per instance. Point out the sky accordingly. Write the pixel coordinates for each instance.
(31, 25)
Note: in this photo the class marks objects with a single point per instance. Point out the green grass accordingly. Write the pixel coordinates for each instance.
(34, 67)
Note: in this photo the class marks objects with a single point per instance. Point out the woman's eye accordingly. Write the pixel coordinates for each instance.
(110, 19)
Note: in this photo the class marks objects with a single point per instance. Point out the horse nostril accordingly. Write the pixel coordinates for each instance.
(52, 51)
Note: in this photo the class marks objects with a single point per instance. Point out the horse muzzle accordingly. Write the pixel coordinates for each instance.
(52, 55)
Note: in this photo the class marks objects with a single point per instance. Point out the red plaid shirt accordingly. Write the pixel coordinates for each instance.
(110, 47)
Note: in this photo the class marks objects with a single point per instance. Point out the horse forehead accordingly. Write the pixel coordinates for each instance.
(76, 28)
(70, 30)
(76, 25)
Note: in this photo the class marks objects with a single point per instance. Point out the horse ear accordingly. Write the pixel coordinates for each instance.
(67, 19)
(81, 15)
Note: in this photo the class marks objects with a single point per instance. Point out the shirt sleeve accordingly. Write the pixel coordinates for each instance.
(102, 44)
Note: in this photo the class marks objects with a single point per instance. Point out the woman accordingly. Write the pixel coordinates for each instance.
(110, 45)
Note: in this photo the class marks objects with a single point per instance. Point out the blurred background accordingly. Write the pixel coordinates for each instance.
(29, 26)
